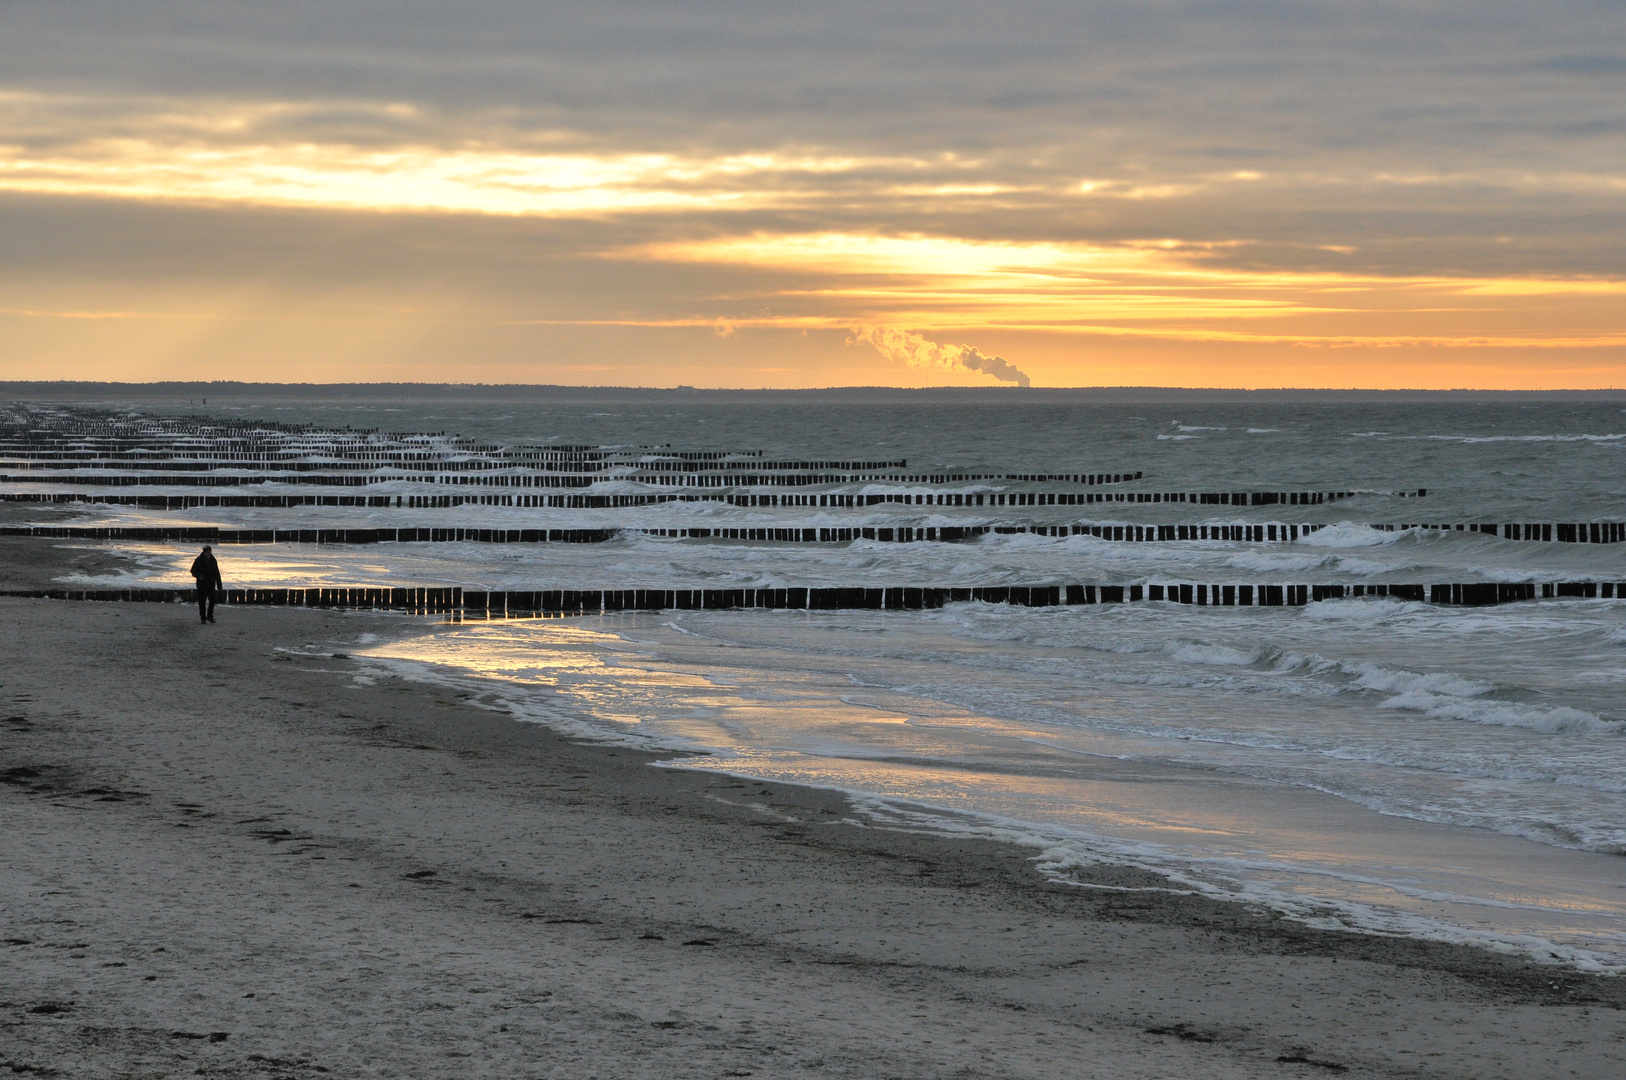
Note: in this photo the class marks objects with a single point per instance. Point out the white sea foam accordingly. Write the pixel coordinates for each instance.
(1370, 611)
(1392, 680)
(1558, 437)
(1524, 438)
(1277, 562)
(1370, 568)
(1552, 720)
(1205, 653)
(1349, 534)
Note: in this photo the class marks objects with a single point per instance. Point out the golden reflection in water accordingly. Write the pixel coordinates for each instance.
(494, 650)
(796, 718)
(599, 672)
(281, 566)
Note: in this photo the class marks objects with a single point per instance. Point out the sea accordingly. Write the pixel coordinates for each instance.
(1369, 762)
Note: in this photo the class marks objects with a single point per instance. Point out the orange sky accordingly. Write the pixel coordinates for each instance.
(270, 229)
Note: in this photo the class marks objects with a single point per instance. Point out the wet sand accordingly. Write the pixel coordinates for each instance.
(29, 563)
(223, 859)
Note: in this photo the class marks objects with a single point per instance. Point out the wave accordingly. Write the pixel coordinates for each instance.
(1553, 721)
(1370, 610)
(1350, 534)
(1272, 562)
(1068, 855)
(1388, 767)
(1468, 439)
(1391, 680)
(1524, 438)
(1440, 695)
(1208, 653)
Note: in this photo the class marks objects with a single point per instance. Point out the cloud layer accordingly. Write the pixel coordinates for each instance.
(1418, 187)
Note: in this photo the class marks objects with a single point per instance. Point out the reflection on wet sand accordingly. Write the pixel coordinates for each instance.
(772, 698)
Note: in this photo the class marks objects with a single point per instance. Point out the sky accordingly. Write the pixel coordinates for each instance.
(1232, 194)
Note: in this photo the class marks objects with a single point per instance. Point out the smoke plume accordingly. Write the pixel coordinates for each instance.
(920, 352)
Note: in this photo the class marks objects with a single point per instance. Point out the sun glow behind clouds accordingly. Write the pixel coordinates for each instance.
(410, 178)
(391, 157)
(1151, 289)
(794, 239)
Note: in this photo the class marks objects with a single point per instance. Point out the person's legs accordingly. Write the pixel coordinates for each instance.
(213, 594)
(206, 604)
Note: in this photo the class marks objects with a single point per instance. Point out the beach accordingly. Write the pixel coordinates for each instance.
(821, 540)
(227, 854)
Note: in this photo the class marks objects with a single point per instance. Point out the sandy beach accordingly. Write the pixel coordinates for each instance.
(862, 540)
(226, 855)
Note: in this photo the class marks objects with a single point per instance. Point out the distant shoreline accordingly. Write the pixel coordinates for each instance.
(82, 392)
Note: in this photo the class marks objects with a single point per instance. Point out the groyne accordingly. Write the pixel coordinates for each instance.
(468, 603)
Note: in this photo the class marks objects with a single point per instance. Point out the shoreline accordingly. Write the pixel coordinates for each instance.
(1355, 907)
(213, 837)
(1308, 854)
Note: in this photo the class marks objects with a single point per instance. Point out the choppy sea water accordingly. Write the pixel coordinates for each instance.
(1392, 766)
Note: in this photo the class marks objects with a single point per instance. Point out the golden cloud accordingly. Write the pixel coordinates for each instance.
(1151, 289)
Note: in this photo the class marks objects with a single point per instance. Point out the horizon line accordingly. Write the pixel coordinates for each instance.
(11, 385)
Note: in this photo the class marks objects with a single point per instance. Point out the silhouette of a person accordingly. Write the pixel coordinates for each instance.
(207, 572)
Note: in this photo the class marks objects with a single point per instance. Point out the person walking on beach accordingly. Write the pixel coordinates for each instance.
(207, 571)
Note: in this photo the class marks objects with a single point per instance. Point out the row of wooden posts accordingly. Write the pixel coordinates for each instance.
(1595, 532)
(826, 500)
(487, 604)
(773, 501)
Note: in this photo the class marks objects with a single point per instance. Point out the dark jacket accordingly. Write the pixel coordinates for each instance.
(207, 571)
